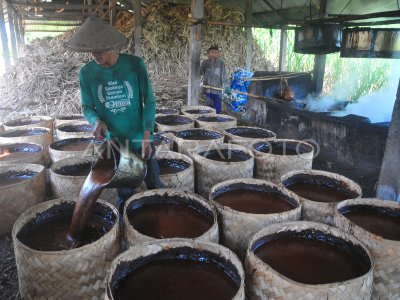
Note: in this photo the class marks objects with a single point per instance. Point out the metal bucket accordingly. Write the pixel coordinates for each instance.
(130, 169)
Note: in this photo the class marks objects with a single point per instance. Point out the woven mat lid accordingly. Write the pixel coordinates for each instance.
(95, 35)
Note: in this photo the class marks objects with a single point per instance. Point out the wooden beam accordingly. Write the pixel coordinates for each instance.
(195, 42)
(11, 29)
(55, 6)
(249, 33)
(56, 18)
(389, 178)
(21, 30)
(138, 28)
(4, 39)
(45, 30)
(282, 51)
(320, 60)
(17, 32)
(372, 23)
(46, 14)
(112, 11)
(52, 24)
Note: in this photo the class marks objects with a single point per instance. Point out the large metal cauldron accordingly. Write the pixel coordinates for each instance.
(371, 43)
(318, 39)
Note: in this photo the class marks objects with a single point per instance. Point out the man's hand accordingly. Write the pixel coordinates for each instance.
(100, 130)
(146, 147)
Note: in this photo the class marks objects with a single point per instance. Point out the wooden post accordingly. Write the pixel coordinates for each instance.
(138, 28)
(389, 179)
(282, 52)
(112, 11)
(4, 39)
(320, 60)
(12, 31)
(197, 12)
(21, 30)
(249, 33)
(17, 32)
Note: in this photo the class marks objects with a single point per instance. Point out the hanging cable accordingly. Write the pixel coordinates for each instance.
(346, 7)
(398, 6)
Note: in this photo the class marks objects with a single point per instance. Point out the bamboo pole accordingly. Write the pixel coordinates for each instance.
(4, 39)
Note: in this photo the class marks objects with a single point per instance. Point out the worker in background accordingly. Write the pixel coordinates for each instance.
(116, 95)
(214, 74)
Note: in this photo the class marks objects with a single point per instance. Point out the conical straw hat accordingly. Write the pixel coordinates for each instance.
(96, 36)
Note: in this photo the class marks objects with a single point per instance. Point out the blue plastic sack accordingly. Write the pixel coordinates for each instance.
(239, 101)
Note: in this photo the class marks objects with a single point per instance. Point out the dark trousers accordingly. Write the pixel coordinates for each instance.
(215, 101)
(152, 179)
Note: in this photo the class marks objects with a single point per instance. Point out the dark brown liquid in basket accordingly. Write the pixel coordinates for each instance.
(15, 155)
(76, 170)
(101, 174)
(169, 221)
(380, 221)
(75, 146)
(276, 150)
(225, 156)
(199, 136)
(311, 261)
(13, 177)
(320, 193)
(169, 169)
(254, 202)
(178, 280)
(51, 234)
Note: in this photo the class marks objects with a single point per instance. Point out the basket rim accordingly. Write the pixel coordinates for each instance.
(357, 187)
(165, 244)
(253, 181)
(42, 170)
(191, 195)
(319, 226)
(16, 241)
(365, 201)
(178, 156)
(197, 157)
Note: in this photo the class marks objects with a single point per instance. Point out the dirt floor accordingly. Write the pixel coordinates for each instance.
(8, 274)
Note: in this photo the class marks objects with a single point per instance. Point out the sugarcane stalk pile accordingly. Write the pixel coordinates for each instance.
(44, 81)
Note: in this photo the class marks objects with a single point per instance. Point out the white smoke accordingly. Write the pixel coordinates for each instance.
(376, 106)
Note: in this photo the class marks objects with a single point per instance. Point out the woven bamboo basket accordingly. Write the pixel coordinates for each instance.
(210, 172)
(56, 154)
(216, 122)
(237, 135)
(63, 185)
(185, 145)
(263, 282)
(19, 196)
(173, 123)
(29, 122)
(197, 111)
(76, 129)
(320, 211)
(163, 142)
(70, 274)
(34, 154)
(36, 135)
(236, 227)
(162, 111)
(386, 252)
(272, 167)
(134, 237)
(67, 119)
(126, 260)
(183, 180)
